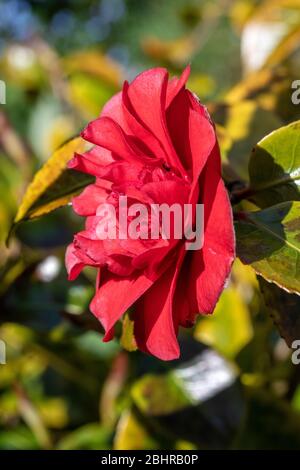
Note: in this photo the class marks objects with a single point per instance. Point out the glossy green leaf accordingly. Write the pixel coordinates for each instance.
(269, 240)
(274, 167)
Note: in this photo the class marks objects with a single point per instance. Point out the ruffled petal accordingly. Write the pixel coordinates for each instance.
(87, 202)
(74, 264)
(106, 133)
(147, 96)
(92, 162)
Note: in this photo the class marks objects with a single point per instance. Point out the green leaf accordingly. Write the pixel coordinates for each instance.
(53, 185)
(92, 436)
(284, 310)
(274, 167)
(269, 240)
(20, 438)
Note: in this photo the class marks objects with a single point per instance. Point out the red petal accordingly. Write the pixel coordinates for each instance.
(74, 264)
(192, 133)
(175, 85)
(91, 162)
(147, 95)
(169, 192)
(210, 267)
(106, 133)
(88, 201)
(154, 326)
(115, 295)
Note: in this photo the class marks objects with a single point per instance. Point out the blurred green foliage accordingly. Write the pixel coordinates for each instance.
(62, 388)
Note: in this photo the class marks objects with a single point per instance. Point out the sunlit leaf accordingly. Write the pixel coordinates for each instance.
(274, 167)
(269, 240)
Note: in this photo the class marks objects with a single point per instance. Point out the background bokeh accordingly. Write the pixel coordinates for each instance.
(235, 385)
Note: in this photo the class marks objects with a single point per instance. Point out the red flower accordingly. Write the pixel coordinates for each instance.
(154, 143)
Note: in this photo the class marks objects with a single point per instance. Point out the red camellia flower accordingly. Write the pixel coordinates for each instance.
(153, 143)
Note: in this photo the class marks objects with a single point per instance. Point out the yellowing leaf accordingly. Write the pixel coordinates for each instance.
(53, 185)
(131, 435)
(127, 338)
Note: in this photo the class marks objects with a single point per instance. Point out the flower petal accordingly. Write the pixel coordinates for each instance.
(106, 133)
(175, 85)
(109, 307)
(147, 95)
(91, 162)
(210, 267)
(191, 131)
(74, 264)
(88, 201)
(155, 329)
